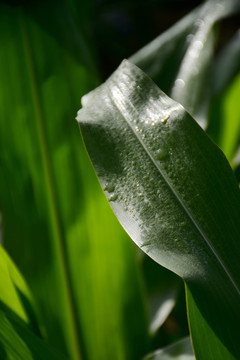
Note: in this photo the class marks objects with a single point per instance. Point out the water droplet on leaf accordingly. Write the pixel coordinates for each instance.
(165, 119)
(113, 197)
(109, 187)
(161, 154)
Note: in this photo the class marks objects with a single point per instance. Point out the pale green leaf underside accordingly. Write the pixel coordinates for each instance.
(171, 188)
(181, 350)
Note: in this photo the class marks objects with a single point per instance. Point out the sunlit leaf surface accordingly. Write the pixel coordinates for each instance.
(174, 193)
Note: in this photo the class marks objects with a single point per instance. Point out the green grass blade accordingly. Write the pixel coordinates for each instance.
(181, 350)
(171, 189)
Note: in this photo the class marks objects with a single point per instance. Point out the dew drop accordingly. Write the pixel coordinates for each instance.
(161, 154)
(190, 37)
(146, 243)
(113, 197)
(179, 83)
(109, 187)
(199, 23)
(163, 121)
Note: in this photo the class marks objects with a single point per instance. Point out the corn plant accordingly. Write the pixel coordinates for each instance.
(73, 284)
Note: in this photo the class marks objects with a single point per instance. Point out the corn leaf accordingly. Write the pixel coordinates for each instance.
(174, 193)
(57, 226)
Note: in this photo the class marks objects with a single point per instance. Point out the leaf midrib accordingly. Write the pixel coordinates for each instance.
(175, 193)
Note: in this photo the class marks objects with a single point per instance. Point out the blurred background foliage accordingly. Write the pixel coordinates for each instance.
(90, 285)
(120, 28)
